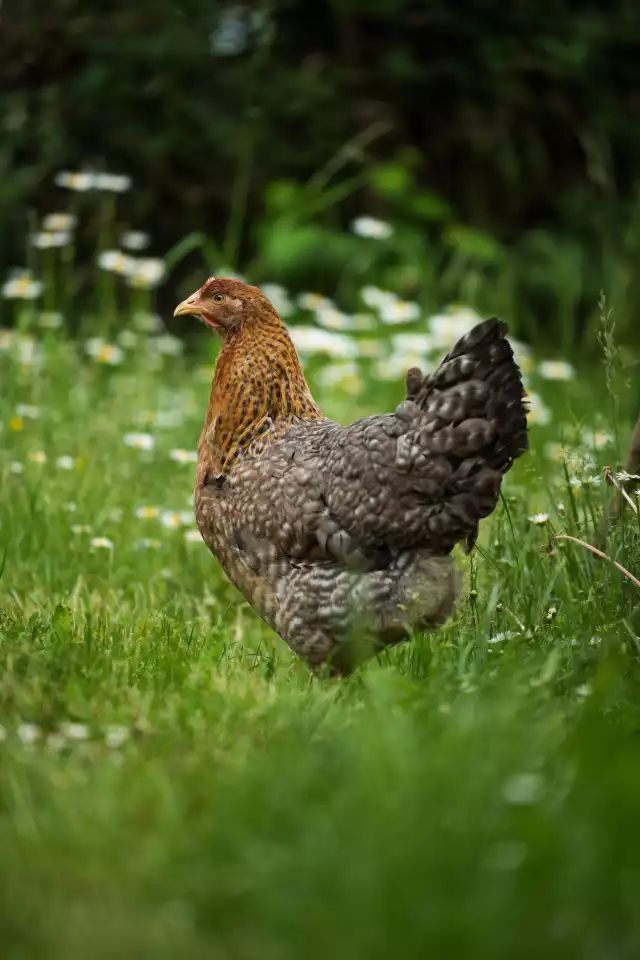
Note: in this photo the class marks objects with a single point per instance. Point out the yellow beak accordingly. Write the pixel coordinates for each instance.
(188, 306)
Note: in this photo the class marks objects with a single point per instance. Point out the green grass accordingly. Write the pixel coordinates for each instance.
(459, 797)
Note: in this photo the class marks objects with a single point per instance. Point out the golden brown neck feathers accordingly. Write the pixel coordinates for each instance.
(258, 382)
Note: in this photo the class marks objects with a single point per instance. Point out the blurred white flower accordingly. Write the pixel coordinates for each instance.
(193, 536)
(148, 322)
(539, 519)
(64, 222)
(538, 412)
(622, 476)
(596, 439)
(448, 327)
(48, 239)
(102, 543)
(80, 182)
(345, 376)
(184, 456)
(116, 261)
(29, 352)
(523, 789)
(16, 467)
(176, 518)
(371, 228)
(28, 411)
(28, 733)
(135, 240)
(146, 272)
(80, 528)
(116, 735)
(500, 637)
(112, 182)
(314, 302)
(127, 339)
(139, 441)
(147, 513)
(166, 345)
(65, 462)
(50, 320)
(333, 319)
(556, 370)
(101, 352)
(74, 731)
(375, 298)
(21, 286)
(232, 32)
(146, 543)
(399, 311)
(310, 340)
(279, 297)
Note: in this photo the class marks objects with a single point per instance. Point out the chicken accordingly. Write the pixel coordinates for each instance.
(340, 536)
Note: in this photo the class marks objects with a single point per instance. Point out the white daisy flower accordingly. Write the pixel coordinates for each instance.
(135, 240)
(310, 340)
(622, 476)
(193, 536)
(28, 411)
(147, 513)
(314, 302)
(65, 462)
(21, 287)
(556, 370)
(16, 467)
(116, 261)
(139, 441)
(147, 543)
(375, 298)
(523, 789)
(455, 322)
(49, 239)
(74, 731)
(148, 322)
(116, 735)
(176, 518)
(184, 456)
(28, 733)
(538, 412)
(279, 297)
(128, 339)
(371, 228)
(539, 519)
(112, 182)
(147, 273)
(63, 222)
(399, 311)
(166, 345)
(79, 182)
(102, 543)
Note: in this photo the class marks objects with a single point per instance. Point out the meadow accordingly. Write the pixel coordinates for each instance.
(173, 782)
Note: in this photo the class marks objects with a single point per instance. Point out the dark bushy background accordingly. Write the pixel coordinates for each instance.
(492, 130)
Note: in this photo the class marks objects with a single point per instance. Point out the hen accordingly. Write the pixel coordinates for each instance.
(340, 536)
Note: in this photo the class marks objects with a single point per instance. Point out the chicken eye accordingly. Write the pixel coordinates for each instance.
(219, 297)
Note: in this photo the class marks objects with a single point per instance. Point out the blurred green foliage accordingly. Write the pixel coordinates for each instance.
(501, 142)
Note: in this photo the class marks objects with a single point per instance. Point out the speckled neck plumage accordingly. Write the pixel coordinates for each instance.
(258, 383)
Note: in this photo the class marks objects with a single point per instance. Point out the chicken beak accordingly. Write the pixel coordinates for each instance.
(189, 306)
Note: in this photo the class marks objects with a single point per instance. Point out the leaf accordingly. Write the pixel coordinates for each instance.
(475, 244)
